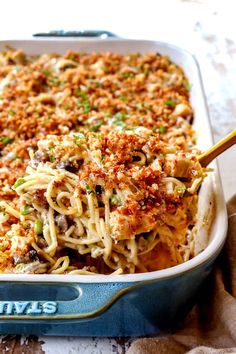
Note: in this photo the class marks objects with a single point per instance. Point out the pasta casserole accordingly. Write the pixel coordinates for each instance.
(99, 171)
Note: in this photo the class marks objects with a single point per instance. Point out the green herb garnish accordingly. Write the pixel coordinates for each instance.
(6, 140)
(54, 81)
(123, 99)
(26, 210)
(115, 200)
(86, 107)
(38, 227)
(96, 127)
(127, 75)
(170, 103)
(85, 102)
(106, 70)
(119, 118)
(47, 73)
(162, 129)
(19, 182)
(11, 112)
(52, 158)
(89, 189)
(78, 137)
(82, 95)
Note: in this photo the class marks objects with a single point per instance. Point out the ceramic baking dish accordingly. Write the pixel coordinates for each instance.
(120, 305)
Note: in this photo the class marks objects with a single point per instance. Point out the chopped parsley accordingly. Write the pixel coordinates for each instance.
(89, 189)
(106, 70)
(96, 127)
(78, 137)
(82, 95)
(162, 129)
(119, 118)
(47, 73)
(86, 107)
(6, 140)
(127, 75)
(83, 102)
(51, 158)
(11, 112)
(19, 182)
(115, 200)
(170, 103)
(54, 81)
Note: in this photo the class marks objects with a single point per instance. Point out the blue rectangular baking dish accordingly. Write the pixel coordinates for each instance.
(120, 305)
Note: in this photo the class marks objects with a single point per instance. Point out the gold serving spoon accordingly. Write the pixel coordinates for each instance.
(206, 157)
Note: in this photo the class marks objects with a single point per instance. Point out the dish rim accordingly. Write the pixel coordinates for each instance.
(215, 245)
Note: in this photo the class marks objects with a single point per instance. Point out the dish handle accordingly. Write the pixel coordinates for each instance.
(58, 301)
(81, 33)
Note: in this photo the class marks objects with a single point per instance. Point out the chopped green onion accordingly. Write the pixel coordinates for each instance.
(115, 200)
(162, 129)
(123, 99)
(170, 103)
(38, 227)
(26, 210)
(51, 148)
(19, 182)
(6, 140)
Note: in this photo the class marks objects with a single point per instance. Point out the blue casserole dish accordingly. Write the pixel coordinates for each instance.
(120, 305)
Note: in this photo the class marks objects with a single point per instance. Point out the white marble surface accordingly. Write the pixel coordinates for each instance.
(204, 27)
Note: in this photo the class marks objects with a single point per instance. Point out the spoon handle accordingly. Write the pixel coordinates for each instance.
(206, 157)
